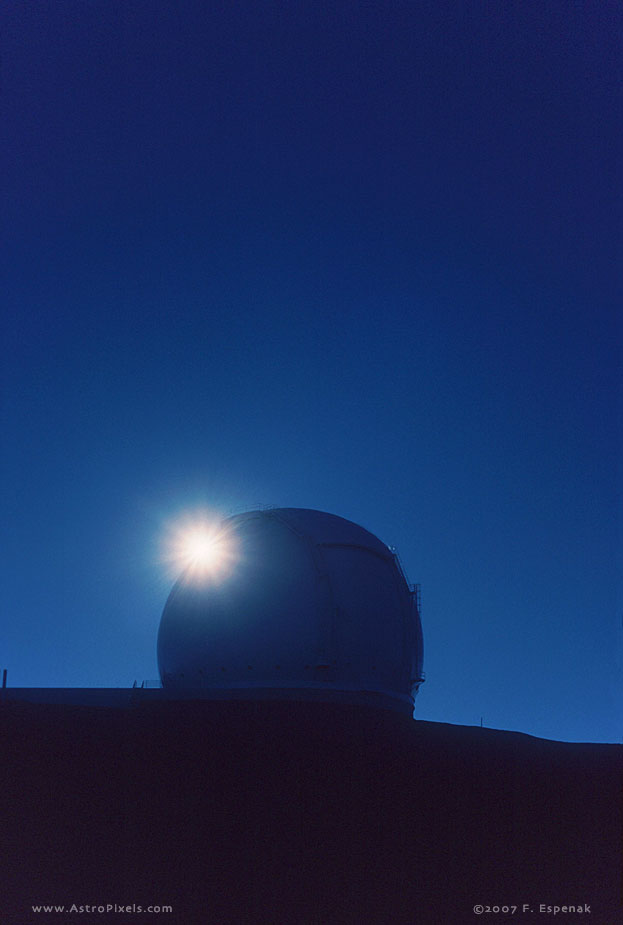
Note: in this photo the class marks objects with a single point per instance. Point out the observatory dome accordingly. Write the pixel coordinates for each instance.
(313, 606)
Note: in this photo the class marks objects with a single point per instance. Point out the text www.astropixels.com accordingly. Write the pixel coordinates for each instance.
(79, 908)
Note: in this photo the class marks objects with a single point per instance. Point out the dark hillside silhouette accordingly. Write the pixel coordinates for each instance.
(300, 813)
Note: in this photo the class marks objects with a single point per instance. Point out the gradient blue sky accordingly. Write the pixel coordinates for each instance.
(361, 257)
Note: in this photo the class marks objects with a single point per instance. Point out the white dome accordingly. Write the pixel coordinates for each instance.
(314, 606)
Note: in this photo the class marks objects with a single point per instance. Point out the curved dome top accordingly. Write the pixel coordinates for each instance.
(311, 605)
(321, 527)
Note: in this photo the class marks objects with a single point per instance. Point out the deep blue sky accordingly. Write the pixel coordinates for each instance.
(361, 257)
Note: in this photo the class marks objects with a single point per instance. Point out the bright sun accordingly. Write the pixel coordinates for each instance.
(200, 547)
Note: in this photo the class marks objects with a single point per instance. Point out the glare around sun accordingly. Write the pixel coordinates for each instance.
(200, 548)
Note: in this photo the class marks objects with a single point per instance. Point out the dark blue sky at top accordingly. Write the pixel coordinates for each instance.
(361, 257)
